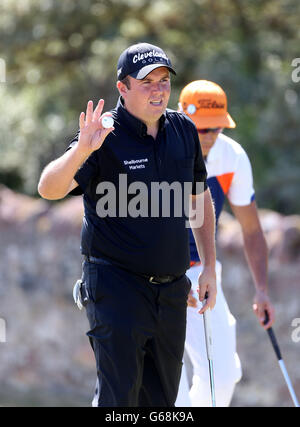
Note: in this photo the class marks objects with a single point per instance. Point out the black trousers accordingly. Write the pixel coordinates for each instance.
(137, 332)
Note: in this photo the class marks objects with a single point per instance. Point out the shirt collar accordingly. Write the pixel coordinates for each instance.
(133, 123)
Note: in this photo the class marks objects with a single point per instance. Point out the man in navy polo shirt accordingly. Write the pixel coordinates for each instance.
(135, 243)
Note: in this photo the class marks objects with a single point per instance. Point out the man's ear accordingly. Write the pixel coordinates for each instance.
(122, 88)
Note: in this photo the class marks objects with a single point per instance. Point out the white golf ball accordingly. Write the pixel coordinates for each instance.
(107, 122)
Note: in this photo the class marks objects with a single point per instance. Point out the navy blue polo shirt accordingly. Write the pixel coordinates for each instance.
(149, 243)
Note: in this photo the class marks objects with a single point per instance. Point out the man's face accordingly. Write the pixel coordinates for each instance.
(147, 99)
(208, 139)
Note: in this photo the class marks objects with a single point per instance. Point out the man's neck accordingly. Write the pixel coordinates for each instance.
(152, 129)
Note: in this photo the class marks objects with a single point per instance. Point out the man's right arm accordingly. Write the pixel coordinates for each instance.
(57, 179)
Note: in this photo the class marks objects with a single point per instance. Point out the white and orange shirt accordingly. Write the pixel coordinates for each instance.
(229, 174)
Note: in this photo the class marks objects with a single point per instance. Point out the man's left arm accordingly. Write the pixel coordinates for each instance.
(256, 252)
(204, 234)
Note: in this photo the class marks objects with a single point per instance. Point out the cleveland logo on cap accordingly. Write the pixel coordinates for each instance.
(152, 53)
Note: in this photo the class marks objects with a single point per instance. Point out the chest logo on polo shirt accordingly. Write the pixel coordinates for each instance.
(136, 163)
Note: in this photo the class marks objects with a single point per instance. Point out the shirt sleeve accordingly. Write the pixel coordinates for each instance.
(87, 172)
(241, 191)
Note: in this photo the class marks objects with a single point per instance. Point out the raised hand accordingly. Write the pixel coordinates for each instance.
(92, 133)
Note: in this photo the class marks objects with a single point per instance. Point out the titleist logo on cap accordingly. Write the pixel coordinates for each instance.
(208, 103)
(152, 53)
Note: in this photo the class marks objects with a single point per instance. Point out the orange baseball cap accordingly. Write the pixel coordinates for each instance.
(205, 103)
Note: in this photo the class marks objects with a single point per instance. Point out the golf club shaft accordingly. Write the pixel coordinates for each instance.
(208, 341)
(281, 362)
(212, 383)
(288, 382)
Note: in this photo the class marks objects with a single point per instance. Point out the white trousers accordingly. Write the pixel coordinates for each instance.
(227, 367)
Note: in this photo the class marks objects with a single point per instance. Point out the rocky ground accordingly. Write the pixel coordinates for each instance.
(46, 359)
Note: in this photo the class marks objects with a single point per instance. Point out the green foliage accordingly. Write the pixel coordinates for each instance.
(59, 54)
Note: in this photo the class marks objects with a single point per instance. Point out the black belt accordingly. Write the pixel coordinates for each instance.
(156, 280)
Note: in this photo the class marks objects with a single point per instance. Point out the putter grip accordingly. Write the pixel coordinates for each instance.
(273, 338)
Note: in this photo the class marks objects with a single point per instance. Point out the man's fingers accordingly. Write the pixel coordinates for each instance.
(89, 113)
(98, 110)
(86, 119)
(81, 120)
(202, 291)
(204, 307)
(265, 318)
(259, 310)
(204, 298)
(265, 315)
(210, 302)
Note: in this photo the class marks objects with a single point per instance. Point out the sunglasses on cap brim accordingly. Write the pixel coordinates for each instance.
(207, 130)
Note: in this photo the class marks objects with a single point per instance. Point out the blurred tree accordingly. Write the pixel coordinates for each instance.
(60, 54)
